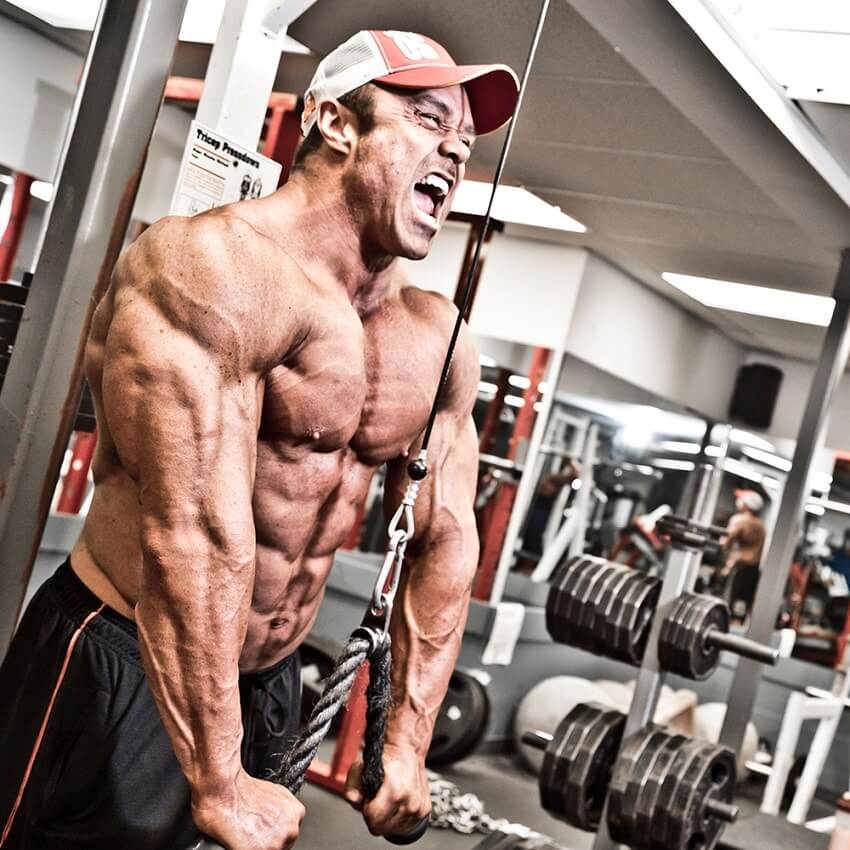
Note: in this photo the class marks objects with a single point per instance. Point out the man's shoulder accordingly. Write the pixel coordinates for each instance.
(435, 308)
(441, 314)
(215, 240)
(207, 276)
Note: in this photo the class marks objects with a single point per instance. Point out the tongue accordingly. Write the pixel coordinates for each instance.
(424, 201)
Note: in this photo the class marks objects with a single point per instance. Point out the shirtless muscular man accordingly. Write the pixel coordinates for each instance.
(251, 368)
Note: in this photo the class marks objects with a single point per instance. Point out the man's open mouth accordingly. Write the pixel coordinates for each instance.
(430, 193)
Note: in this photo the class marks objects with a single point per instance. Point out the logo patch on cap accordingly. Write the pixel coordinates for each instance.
(412, 45)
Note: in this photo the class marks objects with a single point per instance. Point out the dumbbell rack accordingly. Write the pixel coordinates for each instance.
(682, 565)
(681, 568)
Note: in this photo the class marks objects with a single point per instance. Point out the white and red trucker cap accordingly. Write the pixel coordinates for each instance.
(411, 61)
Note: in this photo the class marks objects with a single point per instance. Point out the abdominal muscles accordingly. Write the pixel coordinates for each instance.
(304, 509)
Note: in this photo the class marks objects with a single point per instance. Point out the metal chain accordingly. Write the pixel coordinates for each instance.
(464, 813)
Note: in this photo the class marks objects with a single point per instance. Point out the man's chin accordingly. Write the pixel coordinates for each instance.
(416, 248)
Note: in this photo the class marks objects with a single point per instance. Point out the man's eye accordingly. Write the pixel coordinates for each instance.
(466, 142)
(431, 120)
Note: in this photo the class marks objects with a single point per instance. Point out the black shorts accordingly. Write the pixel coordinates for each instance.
(85, 761)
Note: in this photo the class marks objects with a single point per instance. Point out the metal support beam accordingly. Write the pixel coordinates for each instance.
(112, 121)
(243, 65)
(774, 572)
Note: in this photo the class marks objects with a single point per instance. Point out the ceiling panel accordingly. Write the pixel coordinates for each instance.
(597, 139)
(628, 116)
(691, 182)
(700, 230)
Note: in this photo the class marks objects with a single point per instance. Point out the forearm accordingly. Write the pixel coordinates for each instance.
(427, 630)
(192, 616)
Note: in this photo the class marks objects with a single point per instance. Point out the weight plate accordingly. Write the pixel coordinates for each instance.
(594, 627)
(646, 805)
(634, 618)
(643, 610)
(605, 608)
(620, 810)
(577, 764)
(710, 774)
(557, 759)
(559, 622)
(664, 815)
(587, 611)
(677, 651)
(705, 657)
(589, 780)
(613, 627)
(578, 595)
(461, 721)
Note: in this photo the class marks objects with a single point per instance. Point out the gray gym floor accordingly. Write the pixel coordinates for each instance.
(511, 792)
(506, 790)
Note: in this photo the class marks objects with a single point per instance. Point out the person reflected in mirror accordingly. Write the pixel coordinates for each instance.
(737, 579)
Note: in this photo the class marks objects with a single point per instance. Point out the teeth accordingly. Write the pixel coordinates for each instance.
(439, 183)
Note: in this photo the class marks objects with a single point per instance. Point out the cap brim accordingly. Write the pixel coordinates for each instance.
(492, 89)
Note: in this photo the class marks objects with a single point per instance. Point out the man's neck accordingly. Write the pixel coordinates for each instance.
(334, 248)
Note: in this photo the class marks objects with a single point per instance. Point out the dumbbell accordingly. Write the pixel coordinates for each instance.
(694, 634)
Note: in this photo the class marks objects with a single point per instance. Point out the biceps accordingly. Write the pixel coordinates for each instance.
(447, 508)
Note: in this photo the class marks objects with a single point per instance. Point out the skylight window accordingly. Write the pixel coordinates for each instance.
(200, 22)
(804, 46)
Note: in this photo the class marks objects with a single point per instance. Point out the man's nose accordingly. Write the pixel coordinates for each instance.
(455, 149)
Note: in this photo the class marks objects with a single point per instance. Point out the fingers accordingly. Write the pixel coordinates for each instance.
(388, 816)
(353, 793)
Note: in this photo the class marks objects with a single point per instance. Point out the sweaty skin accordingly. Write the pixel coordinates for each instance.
(251, 368)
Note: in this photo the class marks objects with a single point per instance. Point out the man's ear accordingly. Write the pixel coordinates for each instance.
(337, 125)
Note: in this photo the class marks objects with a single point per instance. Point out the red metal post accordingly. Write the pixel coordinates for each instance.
(11, 239)
(332, 776)
(74, 482)
(475, 225)
(503, 501)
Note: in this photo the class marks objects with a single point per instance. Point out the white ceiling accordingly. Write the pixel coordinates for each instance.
(671, 166)
(596, 138)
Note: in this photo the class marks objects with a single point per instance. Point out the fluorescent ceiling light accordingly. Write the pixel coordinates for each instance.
(487, 387)
(41, 190)
(755, 300)
(668, 463)
(519, 381)
(200, 22)
(745, 438)
(514, 401)
(512, 204)
(773, 460)
(813, 508)
(679, 448)
(484, 360)
(742, 470)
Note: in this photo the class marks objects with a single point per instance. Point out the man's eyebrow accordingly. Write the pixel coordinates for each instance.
(429, 99)
(433, 102)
